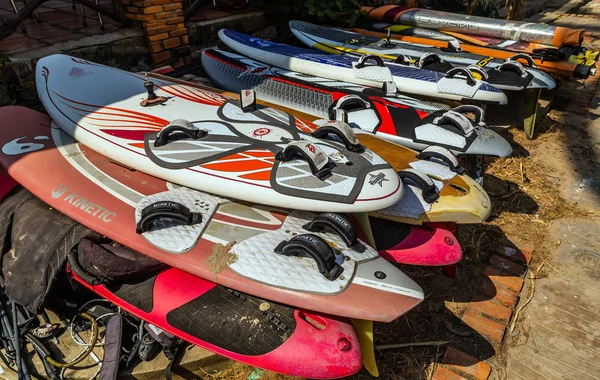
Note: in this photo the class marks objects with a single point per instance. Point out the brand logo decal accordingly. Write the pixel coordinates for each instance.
(16, 146)
(311, 148)
(377, 179)
(260, 132)
(83, 204)
(59, 192)
(485, 61)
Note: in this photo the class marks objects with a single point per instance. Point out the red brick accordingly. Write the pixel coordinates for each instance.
(161, 2)
(164, 15)
(491, 309)
(152, 10)
(155, 47)
(178, 13)
(161, 57)
(131, 16)
(184, 40)
(126, 2)
(522, 255)
(442, 373)
(501, 278)
(504, 296)
(180, 26)
(175, 20)
(166, 28)
(172, 7)
(461, 362)
(489, 329)
(142, 4)
(172, 42)
(158, 37)
(508, 266)
(144, 17)
(132, 9)
(177, 32)
(154, 24)
(152, 31)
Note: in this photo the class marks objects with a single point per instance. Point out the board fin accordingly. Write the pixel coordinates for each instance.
(364, 330)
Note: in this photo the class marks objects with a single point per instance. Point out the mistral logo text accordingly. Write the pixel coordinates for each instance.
(83, 204)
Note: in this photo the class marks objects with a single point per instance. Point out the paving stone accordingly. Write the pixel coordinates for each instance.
(458, 361)
(505, 296)
(501, 278)
(508, 265)
(442, 373)
(489, 329)
(491, 308)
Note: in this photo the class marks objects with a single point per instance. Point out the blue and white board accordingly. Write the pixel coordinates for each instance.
(409, 80)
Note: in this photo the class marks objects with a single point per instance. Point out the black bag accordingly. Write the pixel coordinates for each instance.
(39, 239)
(108, 261)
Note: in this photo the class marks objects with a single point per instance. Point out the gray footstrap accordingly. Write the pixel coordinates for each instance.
(441, 154)
(477, 111)
(181, 127)
(479, 70)
(457, 119)
(341, 130)
(317, 159)
(376, 73)
(349, 101)
(514, 66)
(427, 58)
(526, 57)
(425, 184)
(466, 73)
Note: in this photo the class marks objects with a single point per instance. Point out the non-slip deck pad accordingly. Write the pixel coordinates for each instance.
(256, 259)
(171, 236)
(235, 322)
(222, 317)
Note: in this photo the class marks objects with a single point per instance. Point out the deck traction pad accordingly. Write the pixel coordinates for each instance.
(235, 322)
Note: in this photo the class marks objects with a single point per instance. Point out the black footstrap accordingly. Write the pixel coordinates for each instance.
(428, 190)
(179, 126)
(338, 224)
(309, 245)
(166, 209)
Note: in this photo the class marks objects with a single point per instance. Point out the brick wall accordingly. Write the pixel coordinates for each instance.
(166, 34)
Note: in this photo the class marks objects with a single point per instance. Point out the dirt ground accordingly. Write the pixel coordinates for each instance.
(528, 193)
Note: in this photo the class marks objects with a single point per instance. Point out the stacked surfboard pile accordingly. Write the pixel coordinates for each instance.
(279, 202)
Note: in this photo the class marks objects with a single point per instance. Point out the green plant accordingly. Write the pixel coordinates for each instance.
(320, 11)
(4, 59)
(485, 8)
